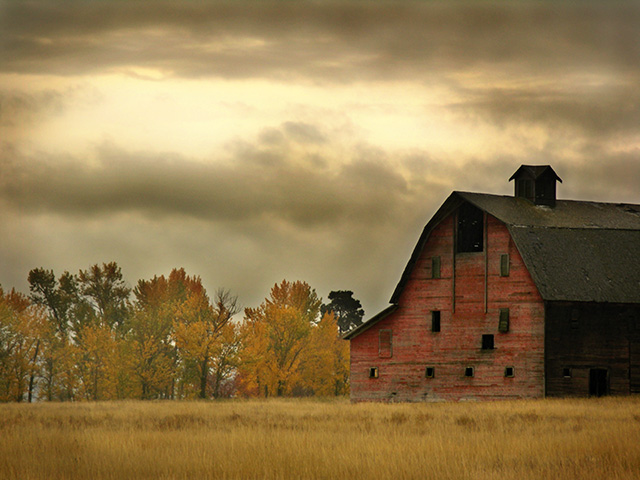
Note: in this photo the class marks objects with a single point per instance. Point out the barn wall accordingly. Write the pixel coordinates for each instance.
(583, 336)
(458, 344)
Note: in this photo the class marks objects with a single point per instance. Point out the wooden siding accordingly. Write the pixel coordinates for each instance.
(480, 293)
(585, 336)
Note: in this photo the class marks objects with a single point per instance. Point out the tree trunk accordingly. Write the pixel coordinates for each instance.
(203, 377)
(33, 371)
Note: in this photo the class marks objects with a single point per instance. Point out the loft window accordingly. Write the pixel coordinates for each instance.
(470, 229)
(509, 372)
(373, 372)
(385, 349)
(435, 267)
(430, 372)
(435, 321)
(503, 324)
(566, 372)
(504, 265)
(468, 372)
(487, 342)
(525, 188)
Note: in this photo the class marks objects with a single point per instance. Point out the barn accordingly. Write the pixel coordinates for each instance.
(521, 296)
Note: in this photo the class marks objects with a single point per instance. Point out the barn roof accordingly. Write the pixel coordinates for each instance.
(576, 251)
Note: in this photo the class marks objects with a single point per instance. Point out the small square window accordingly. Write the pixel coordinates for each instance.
(373, 372)
(487, 342)
(509, 372)
(468, 372)
(566, 372)
(430, 372)
(435, 321)
(435, 267)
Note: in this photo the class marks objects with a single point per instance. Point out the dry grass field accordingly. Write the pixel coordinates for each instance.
(281, 439)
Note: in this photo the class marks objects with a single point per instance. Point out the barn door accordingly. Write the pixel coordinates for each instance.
(598, 384)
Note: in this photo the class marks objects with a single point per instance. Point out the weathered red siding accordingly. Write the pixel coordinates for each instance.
(458, 345)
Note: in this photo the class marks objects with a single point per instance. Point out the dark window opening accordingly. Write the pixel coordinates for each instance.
(487, 342)
(524, 188)
(566, 372)
(435, 321)
(598, 385)
(468, 372)
(509, 372)
(470, 229)
(504, 265)
(373, 372)
(385, 349)
(503, 324)
(430, 372)
(435, 267)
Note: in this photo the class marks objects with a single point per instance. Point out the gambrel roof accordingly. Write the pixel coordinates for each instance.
(577, 251)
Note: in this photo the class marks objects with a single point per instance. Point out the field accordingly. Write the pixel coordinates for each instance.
(311, 439)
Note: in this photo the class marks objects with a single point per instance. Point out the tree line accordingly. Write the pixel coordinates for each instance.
(89, 336)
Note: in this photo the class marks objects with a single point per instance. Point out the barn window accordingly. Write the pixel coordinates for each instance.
(385, 349)
(504, 265)
(487, 342)
(435, 321)
(509, 372)
(470, 229)
(373, 372)
(430, 372)
(503, 324)
(524, 188)
(566, 372)
(435, 267)
(468, 372)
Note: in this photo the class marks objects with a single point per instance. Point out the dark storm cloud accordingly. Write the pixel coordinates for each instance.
(603, 111)
(328, 41)
(258, 181)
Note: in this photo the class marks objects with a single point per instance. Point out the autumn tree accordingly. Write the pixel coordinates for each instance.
(62, 300)
(199, 329)
(151, 337)
(106, 291)
(277, 334)
(347, 310)
(22, 327)
(325, 365)
(180, 336)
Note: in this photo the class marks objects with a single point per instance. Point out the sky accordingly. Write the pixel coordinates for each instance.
(252, 142)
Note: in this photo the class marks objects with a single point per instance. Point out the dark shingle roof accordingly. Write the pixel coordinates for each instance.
(577, 251)
(535, 172)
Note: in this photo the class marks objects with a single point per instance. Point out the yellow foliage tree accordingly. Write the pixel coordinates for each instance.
(277, 335)
(22, 328)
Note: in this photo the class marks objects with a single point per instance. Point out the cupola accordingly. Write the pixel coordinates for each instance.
(536, 183)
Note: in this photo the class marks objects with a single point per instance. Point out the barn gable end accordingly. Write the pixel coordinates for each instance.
(484, 316)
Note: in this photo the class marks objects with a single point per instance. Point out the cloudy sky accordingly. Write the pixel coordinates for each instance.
(255, 142)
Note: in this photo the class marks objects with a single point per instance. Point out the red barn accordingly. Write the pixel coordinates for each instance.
(510, 297)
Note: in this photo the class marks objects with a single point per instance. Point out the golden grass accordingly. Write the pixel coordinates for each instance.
(281, 439)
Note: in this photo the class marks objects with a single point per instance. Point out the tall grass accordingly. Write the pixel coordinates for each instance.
(547, 439)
